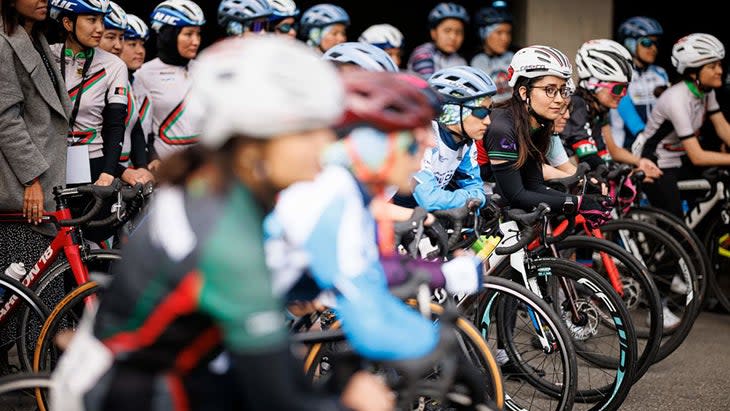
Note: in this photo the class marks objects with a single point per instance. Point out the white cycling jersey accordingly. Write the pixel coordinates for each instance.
(678, 114)
(164, 87)
(105, 82)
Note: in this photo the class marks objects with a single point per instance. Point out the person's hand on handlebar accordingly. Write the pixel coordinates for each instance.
(104, 180)
(596, 209)
(650, 169)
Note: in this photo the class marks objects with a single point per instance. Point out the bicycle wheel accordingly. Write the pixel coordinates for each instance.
(16, 391)
(687, 238)
(639, 293)
(717, 233)
(18, 300)
(601, 327)
(64, 317)
(59, 280)
(473, 348)
(527, 330)
(664, 257)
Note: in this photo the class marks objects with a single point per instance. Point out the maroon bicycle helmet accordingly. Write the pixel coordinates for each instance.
(387, 101)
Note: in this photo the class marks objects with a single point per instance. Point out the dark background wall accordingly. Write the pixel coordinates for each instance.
(678, 19)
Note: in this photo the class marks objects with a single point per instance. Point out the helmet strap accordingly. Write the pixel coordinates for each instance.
(540, 119)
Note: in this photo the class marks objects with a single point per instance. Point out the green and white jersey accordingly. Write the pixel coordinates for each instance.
(173, 123)
(129, 122)
(105, 82)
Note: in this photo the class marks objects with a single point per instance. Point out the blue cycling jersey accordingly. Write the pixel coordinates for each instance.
(324, 228)
(449, 174)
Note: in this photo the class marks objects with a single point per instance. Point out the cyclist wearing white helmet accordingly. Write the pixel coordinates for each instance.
(115, 23)
(387, 38)
(97, 83)
(283, 17)
(165, 81)
(243, 17)
(447, 22)
(494, 25)
(604, 69)
(115, 26)
(672, 131)
(198, 283)
(362, 55)
(134, 149)
(323, 26)
(519, 138)
(467, 94)
(640, 35)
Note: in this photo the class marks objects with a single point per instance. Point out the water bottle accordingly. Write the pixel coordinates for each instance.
(16, 271)
(484, 245)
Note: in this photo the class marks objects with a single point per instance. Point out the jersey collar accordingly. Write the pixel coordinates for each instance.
(694, 90)
(83, 54)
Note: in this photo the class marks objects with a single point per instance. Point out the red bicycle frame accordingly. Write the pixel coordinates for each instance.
(613, 274)
(66, 241)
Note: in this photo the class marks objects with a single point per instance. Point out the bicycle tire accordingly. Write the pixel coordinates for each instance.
(44, 343)
(16, 390)
(14, 324)
(517, 397)
(687, 237)
(59, 280)
(490, 367)
(688, 306)
(635, 274)
(720, 277)
(602, 305)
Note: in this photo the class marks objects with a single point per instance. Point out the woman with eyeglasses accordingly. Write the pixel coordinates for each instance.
(640, 36)
(449, 175)
(604, 70)
(519, 137)
(244, 17)
(283, 17)
(165, 81)
(672, 131)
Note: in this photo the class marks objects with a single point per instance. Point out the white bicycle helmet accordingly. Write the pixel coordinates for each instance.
(116, 19)
(282, 9)
(233, 14)
(363, 55)
(605, 60)
(136, 29)
(177, 13)
(290, 88)
(444, 11)
(63, 7)
(537, 61)
(460, 84)
(383, 36)
(696, 50)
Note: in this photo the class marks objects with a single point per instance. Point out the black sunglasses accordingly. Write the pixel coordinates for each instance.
(286, 27)
(479, 112)
(647, 42)
(257, 26)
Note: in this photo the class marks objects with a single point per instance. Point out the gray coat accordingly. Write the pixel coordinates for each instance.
(33, 121)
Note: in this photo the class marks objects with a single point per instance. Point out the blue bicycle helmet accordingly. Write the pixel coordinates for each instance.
(636, 27)
(116, 19)
(363, 55)
(59, 8)
(460, 84)
(489, 16)
(444, 11)
(136, 29)
(177, 13)
(234, 14)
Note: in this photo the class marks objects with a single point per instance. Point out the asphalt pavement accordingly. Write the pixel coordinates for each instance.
(694, 377)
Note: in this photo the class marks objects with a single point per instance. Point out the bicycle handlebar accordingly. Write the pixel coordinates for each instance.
(568, 182)
(99, 194)
(527, 220)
